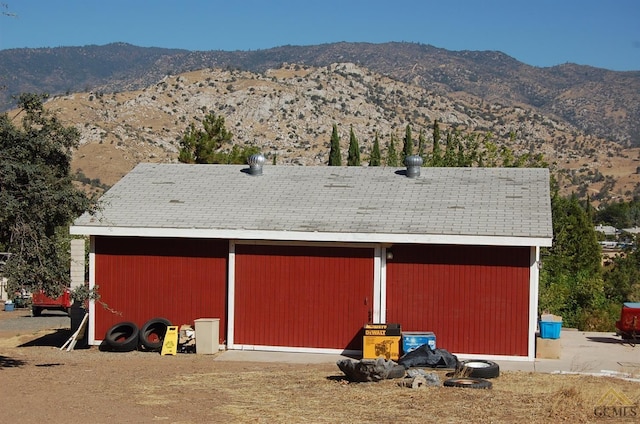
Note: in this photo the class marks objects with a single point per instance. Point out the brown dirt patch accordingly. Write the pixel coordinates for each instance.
(40, 382)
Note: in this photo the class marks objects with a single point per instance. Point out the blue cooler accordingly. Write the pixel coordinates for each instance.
(413, 340)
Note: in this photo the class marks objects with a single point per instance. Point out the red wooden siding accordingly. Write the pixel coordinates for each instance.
(318, 297)
(142, 278)
(474, 298)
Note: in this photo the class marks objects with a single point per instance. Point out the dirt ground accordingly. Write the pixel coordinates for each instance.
(40, 382)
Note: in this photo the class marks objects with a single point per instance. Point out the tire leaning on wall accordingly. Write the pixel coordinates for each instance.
(122, 337)
(152, 334)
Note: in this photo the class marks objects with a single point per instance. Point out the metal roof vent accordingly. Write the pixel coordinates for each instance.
(413, 164)
(256, 161)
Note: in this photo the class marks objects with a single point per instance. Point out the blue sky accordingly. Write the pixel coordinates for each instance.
(601, 33)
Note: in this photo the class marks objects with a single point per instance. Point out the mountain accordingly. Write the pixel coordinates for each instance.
(133, 104)
(600, 102)
(288, 113)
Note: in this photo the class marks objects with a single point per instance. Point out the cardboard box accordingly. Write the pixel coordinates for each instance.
(387, 347)
(548, 348)
(382, 330)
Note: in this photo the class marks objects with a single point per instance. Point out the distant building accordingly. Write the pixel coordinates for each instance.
(633, 230)
(607, 230)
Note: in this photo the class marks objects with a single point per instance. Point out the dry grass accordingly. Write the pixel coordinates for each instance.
(321, 394)
(93, 386)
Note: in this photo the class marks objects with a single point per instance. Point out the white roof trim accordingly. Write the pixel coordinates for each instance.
(311, 236)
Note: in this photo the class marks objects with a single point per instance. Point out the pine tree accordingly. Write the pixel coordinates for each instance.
(407, 148)
(575, 240)
(392, 155)
(375, 158)
(571, 283)
(353, 158)
(335, 158)
(212, 144)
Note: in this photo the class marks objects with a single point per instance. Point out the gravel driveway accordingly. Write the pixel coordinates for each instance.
(21, 320)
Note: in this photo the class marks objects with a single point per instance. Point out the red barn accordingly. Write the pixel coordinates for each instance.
(300, 258)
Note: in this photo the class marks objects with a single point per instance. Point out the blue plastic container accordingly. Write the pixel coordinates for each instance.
(8, 307)
(550, 329)
(413, 340)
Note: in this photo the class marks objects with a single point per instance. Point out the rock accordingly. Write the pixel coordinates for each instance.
(370, 369)
(430, 378)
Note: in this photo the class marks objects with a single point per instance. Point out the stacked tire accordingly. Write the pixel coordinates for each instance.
(127, 337)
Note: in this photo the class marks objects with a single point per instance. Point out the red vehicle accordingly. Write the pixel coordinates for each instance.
(40, 301)
(629, 324)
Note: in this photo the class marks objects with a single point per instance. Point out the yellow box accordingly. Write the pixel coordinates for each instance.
(387, 347)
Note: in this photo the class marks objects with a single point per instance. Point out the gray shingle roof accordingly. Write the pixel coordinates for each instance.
(369, 204)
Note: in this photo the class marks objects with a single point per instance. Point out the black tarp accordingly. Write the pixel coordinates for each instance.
(424, 356)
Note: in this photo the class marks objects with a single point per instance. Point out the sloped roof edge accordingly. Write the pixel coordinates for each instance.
(373, 204)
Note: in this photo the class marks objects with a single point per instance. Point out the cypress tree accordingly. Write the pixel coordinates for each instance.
(436, 152)
(392, 155)
(407, 149)
(375, 158)
(335, 158)
(421, 143)
(450, 158)
(353, 158)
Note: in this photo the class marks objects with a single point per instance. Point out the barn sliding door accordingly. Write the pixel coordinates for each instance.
(474, 298)
(302, 296)
(142, 278)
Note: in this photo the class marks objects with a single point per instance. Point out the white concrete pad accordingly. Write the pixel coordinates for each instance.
(581, 352)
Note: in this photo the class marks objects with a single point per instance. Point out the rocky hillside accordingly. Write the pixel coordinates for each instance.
(598, 102)
(288, 112)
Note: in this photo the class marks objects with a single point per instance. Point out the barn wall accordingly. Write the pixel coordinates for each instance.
(178, 279)
(302, 296)
(475, 298)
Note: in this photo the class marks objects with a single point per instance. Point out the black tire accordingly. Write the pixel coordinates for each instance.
(468, 382)
(152, 334)
(36, 311)
(123, 337)
(479, 368)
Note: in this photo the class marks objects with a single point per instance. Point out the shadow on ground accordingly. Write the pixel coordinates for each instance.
(56, 339)
(611, 340)
(7, 362)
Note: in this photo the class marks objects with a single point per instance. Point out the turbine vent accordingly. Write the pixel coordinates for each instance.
(413, 164)
(256, 162)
